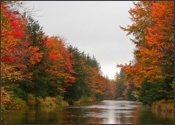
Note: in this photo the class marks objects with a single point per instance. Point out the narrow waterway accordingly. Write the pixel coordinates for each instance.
(104, 112)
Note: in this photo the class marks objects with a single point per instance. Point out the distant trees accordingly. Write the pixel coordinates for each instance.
(89, 82)
(120, 86)
(125, 89)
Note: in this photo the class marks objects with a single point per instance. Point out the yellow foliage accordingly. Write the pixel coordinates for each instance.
(9, 73)
(5, 96)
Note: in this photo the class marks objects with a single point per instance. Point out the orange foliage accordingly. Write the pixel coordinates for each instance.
(16, 49)
(153, 29)
(35, 56)
(10, 33)
(98, 82)
(161, 47)
(60, 60)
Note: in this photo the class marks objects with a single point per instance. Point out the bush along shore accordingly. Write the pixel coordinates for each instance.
(164, 108)
(9, 102)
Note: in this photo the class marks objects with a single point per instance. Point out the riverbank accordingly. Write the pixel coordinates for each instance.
(163, 108)
(113, 112)
(11, 103)
(49, 103)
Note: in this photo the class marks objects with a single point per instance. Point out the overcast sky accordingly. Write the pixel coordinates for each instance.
(92, 26)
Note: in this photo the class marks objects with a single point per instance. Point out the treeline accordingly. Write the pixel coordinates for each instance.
(35, 65)
(150, 76)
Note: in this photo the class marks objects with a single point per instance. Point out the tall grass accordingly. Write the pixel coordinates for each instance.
(50, 103)
(85, 100)
(164, 108)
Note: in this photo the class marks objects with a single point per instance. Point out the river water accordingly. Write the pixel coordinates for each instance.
(104, 112)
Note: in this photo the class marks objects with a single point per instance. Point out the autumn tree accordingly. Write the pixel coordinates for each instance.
(36, 76)
(120, 84)
(61, 70)
(76, 91)
(152, 28)
(140, 15)
(17, 53)
(11, 33)
(161, 48)
(112, 89)
(161, 41)
(98, 84)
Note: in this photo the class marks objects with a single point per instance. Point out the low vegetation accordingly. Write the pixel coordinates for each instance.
(164, 108)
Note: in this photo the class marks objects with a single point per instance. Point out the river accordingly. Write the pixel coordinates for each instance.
(104, 112)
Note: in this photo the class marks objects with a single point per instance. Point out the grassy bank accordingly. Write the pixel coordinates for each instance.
(16, 104)
(50, 103)
(164, 108)
(12, 102)
(85, 100)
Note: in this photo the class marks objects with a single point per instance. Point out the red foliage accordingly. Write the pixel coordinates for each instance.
(67, 85)
(7, 59)
(72, 79)
(16, 49)
(61, 63)
(18, 34)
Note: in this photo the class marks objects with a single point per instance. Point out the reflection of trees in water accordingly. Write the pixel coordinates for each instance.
(126, 118)
(117, 113)
(136, 116)
(143, 115)
(108, 112)
(112, 118)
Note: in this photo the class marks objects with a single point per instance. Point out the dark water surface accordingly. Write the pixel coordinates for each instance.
(104, 112)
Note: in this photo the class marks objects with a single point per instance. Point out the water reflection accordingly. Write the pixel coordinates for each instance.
(111, 112)
(105, 112)
(112, 118)
(116, 112)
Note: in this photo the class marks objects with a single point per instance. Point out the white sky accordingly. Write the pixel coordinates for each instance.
(92, 26)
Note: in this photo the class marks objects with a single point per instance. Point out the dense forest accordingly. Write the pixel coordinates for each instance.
(150, 77)
(35, 66)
